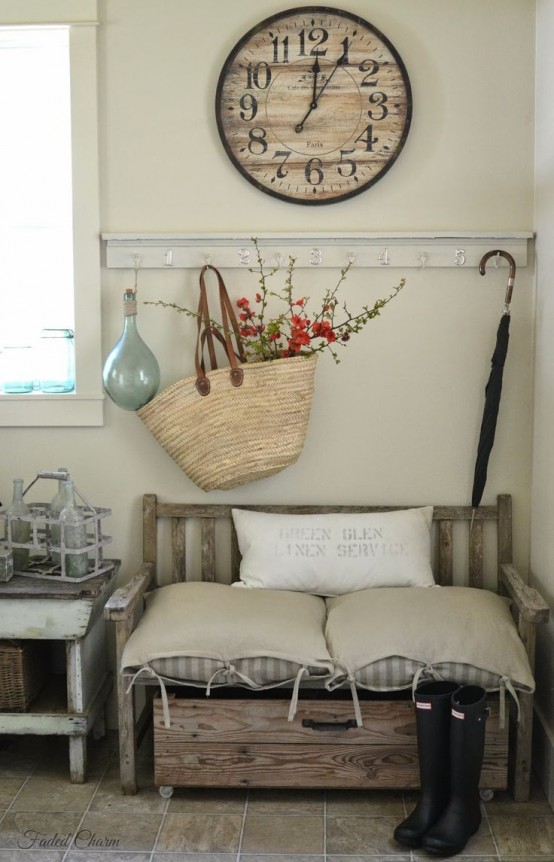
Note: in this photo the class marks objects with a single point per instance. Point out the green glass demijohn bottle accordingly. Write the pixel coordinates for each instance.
(131, 372)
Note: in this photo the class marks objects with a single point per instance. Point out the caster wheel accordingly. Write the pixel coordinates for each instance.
(486, 795)
(166, 791)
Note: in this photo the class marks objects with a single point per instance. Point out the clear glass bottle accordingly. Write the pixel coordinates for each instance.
(20, 530)
(57, 360)
(56, 506)
(131, 372)
(73, 534)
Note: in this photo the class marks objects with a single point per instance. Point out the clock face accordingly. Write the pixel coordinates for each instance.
(313, 105)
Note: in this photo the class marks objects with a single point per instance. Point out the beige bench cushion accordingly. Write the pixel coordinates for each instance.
(384, 637)
(207, 632)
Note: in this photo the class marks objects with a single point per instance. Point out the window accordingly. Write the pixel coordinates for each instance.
(49, 254)
(36, 206)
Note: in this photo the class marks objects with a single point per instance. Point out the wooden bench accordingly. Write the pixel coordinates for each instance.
(242, 738)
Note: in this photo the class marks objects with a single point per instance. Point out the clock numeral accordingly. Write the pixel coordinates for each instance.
(343, 163)
(281, 154)
(285, 49)
(258, 76)
(317, 35)
(371, 67)
(244, 256)
(257, 143)
(313, 172)
(345, 45)
(248, 104)
(379, 100)
(316, 257)
(460, 257)
(367, 138)
(384, 257)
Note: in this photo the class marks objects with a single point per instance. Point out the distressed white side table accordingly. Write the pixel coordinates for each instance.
(71, 704)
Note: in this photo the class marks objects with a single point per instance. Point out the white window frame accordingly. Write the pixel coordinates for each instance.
(84, 406)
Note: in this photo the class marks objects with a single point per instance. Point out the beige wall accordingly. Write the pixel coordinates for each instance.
(542, 545)
(398, 419)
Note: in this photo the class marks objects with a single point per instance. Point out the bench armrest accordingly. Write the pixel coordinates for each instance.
(121, 605)
(529, 601)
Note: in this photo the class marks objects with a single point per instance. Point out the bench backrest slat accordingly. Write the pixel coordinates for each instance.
(476, 554)
(446, 519)
(178, 549)
(207, 548)
(446, 553)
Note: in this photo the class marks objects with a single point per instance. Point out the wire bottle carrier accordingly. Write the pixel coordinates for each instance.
(42, 546)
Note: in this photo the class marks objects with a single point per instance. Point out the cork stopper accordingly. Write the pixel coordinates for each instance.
(129, 303)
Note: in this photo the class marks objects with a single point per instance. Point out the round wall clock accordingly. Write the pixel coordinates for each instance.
(313, 105)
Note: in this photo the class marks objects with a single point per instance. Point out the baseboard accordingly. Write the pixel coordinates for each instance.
(543, 754)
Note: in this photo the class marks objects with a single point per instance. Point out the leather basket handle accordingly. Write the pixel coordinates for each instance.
(206, 333)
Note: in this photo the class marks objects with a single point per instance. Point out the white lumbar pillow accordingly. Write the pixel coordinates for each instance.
(334, 554)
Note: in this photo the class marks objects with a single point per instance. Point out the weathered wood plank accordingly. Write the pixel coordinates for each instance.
(220, 510)
(262, 721)
(126, 714)
(530, 603)
(124, 600)
(522, 734)
(21, 587)
(476, 554)
(249, 721)
(504, 532)
(150, 528)
(445, 555)
(178, 550)
(207, 529)
(43, 724)
(330, 766)
(74, 666)
(235, 555)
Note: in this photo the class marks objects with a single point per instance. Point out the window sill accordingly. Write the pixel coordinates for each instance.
(36, 410)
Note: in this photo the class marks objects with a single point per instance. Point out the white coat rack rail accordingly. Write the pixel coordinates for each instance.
(404, 250)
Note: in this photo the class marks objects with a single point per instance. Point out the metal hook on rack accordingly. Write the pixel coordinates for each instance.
(137, 263)
(208, 259)
(498, 253)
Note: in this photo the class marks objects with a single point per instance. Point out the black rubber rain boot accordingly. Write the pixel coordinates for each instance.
(462, 816)
(433, 704)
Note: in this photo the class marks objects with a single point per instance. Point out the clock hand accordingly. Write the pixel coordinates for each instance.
(340, 62)
(313, 104)
(316, 96)
(315, 71)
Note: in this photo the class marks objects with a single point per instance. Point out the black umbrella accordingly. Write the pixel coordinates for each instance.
(493, 388)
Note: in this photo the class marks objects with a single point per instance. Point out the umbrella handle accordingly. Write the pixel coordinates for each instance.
(511, 275)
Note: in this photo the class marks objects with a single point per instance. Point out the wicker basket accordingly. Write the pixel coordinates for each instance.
(235, 435)
(22, 673)
(230, 426)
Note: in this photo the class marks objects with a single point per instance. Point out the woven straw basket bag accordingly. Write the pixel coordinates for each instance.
(234, 425)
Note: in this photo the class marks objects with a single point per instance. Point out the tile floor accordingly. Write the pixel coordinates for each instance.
(44, 818)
